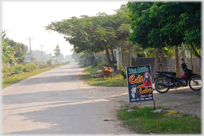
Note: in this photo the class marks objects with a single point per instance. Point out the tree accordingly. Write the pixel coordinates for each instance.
(75, 56)
(164, 24)
(57, 51)
(146, 29)
(20, 48)
(94, 34)
(8, 51)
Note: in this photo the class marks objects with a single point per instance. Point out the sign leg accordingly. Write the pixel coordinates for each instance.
(129, 109)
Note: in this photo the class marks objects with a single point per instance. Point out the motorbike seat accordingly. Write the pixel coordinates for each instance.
(188, 70)
(166, 72)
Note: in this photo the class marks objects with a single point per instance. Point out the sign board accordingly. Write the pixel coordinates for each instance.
(139, 83)
(28, 58)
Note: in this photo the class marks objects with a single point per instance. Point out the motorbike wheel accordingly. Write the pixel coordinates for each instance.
(195, 83)
(162, 86)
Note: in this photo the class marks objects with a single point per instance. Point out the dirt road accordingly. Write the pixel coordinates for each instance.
(57, 102)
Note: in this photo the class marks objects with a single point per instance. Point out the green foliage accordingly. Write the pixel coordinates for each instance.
(49, 62)
(13, 79)
(91, 70)
(169, 51)
(98, 63)
(29, 67)
(5, 69)
(95, 63)
(8, 51)
(163, 24)
(8, 69)
(20, 49)
(117, 80)
(144, 121)
(18, 69)
(123, 72)
(57, 51)
(94, 34)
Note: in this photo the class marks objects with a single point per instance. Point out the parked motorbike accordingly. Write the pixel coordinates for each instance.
(167, 80)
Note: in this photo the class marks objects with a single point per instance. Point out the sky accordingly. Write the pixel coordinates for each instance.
(27, 19)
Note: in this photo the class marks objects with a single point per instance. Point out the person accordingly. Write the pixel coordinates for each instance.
(133, 89)
(147, 79)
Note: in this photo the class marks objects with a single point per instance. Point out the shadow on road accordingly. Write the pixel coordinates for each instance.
(61, 108)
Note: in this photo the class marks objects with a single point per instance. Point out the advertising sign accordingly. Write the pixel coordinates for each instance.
(139, 83)
(28, 58)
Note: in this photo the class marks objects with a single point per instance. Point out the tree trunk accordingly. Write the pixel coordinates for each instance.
(130, 55)
(161, 59)
(196, 54)
(191, 60)
(177, 62)
(157, 59)
(121, 55)
(107, 54)
(183, 53)
(102, 59)
(114, 61)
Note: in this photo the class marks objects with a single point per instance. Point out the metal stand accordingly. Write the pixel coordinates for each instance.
(154, 104)
(129, 109)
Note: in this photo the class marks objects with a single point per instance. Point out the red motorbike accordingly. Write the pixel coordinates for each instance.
(167, 80)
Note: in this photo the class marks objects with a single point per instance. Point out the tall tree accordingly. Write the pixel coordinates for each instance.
(20, 48)
(93, 34)
(57, 51)
(163, 24)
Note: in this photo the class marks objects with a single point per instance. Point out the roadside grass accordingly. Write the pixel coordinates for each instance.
(18, 77)
(117, 80)
(143, 121)
(91, 70)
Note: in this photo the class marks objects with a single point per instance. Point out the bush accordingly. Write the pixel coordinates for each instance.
(123, 72)
(29, 67)
(49, 62)
(25, 69)
(95, 63)
(98, 63)
(18, 69)
(42, 65)
(8, 69)
(5, 69)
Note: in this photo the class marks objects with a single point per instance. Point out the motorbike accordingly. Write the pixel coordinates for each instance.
(167, 80)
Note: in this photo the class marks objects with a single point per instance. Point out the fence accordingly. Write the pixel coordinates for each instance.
(90, 60)
(169, 64)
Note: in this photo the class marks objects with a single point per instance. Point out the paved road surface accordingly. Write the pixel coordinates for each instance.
(57, 102)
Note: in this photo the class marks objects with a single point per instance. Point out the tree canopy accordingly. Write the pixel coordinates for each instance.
(8, 52)
(163, 24)
(95, 34)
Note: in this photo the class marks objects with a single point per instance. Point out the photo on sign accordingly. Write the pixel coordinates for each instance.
(139, 83)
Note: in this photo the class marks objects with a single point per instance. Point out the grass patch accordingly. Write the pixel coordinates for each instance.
(143, 121)
(117, 80)
(91, 70)
(18, 77)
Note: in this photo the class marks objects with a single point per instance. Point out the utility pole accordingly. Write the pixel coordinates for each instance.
(41, 52)
(30, 46)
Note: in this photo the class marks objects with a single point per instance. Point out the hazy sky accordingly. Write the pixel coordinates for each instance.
(23, 19)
